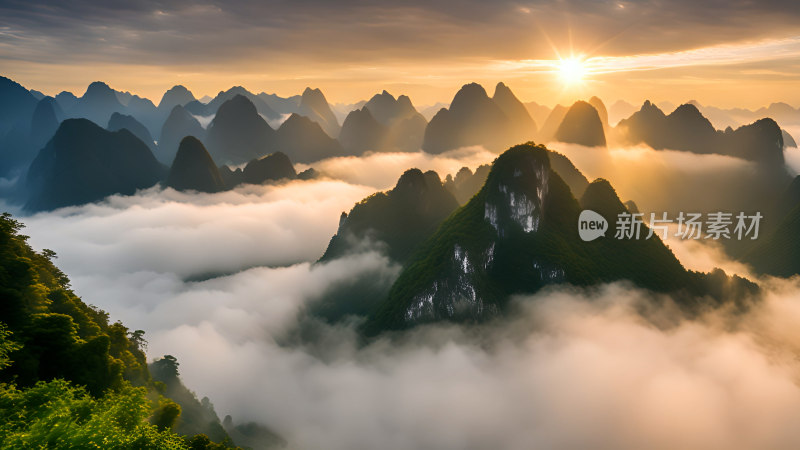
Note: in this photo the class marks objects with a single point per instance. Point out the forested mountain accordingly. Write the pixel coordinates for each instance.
(74, 379)
(518, 234)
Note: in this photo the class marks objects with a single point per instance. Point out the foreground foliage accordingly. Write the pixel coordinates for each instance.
(69, 378)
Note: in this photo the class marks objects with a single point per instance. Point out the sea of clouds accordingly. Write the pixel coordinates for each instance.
(221, 281)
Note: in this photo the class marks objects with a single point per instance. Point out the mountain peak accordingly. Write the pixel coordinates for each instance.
(516, 189)
(194, 169)
(601, 197)
(601, 109)
(298, 121)
(176, 95)
(649, 107)
(99, 95)
(84, 163)
(468, 94)
(238, 133)
(239, 104)
(687, 110)
(275, 166)
(179, 89)
(312, 93)
(98, 86)
(501, 87)
(405, 102)
(582, 125)
(314, 105)
(410, 179)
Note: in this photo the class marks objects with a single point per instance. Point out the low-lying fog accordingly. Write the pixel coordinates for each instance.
(571, 369)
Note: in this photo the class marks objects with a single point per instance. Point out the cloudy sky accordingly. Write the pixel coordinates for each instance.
(729, 53)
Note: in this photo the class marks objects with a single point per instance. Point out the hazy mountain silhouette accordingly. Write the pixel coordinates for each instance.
(273, 167)
(620, 110)
(25, 126)
(537, 112)
(719, 117)
(522, 125)
(224, 96)
(193, 168)
(779, 111)
(314, 106)
(400, 218)
(304, 141)
(176, 95)
(386, 109)
(429, 111)
(582, 125)
(518, 234)
(548, 130)
(760, 141)
(97, 104)
(281, 105)
(238, 133)
(361, 132)
(472, 119)
(44, 123)
(405, 127)
(145, 112)
(178, 125)
(66, 100)
(84, 163)
(119, 121)
(16, 106)
(686, 129)
(341, 110)
(602, 112)
(197, 108)
(788, 140)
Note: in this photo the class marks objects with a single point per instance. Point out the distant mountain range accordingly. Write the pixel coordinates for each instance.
(474, 118)
(237, 126)
(84, 163)
(687, 129)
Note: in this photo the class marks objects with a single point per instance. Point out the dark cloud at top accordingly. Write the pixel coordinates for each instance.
(361, 32)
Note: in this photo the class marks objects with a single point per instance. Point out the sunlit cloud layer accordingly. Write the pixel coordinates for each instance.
(611, 367)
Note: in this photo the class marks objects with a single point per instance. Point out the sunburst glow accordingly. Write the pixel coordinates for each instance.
(571, 71)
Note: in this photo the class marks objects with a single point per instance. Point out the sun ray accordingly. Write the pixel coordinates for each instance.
(572, 70)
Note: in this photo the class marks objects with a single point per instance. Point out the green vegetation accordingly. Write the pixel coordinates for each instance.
(68, 377)
(486, 252)
(400, 218)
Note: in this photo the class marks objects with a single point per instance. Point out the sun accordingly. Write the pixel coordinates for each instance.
(571, 70)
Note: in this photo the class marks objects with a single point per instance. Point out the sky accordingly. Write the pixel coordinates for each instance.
(726, 53)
